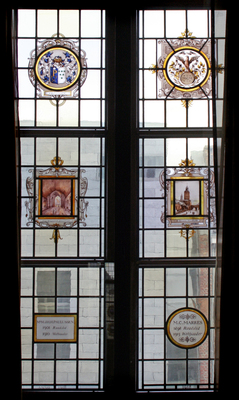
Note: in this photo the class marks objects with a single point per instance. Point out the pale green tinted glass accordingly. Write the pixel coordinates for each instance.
(46, 23)
(69, 22)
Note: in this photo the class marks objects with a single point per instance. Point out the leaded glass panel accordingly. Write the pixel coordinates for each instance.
(61, 76)
(63, 60)
(177, 205)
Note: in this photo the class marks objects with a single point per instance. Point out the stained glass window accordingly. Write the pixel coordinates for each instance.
(177, 212)
(61, 75)
(62, 60)
(177, 197)
(73, 194)
(175, 69)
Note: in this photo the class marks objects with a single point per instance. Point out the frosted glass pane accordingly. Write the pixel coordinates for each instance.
(92, 48)
(153, 243)
(89, 282)
(27, 151)
(25, 46)
(25, 88)
(68, 245)
(92, 85)
(68, 150)
(198, 114)
(198, 150)
(68, 113)
(26, 23)
(26, 109)
(176, 282)
(88, 312)
(88, 343)
(66, 372)
(176, 114)
(43, 246)
(153, 282)
(89, 243)
(47, 23)
(154, 313)
(153, 211)
(26, 281)
(26, 243)
(176, 245)
(90, 23)
(26, 343)
(69, 23)
(154, 23)
(153, 113)
(46, 113)
(175, 23)
(175, 151)
(90, 151)
(90, 113)
(45, 150)
(149, 53)
(154, 372)
(43, 372)
(153, 152)
(198, 22)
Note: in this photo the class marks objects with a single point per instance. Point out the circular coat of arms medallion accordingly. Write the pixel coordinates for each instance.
(186, 68)
(57, 68)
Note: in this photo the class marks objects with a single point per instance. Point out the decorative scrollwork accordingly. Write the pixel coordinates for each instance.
(64, 174)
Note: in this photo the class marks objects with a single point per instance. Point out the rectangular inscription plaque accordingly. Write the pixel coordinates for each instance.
(55, 328)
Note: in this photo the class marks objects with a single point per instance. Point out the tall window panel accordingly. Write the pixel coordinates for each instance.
(61, 59)
(61, 75)
(177, 212)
